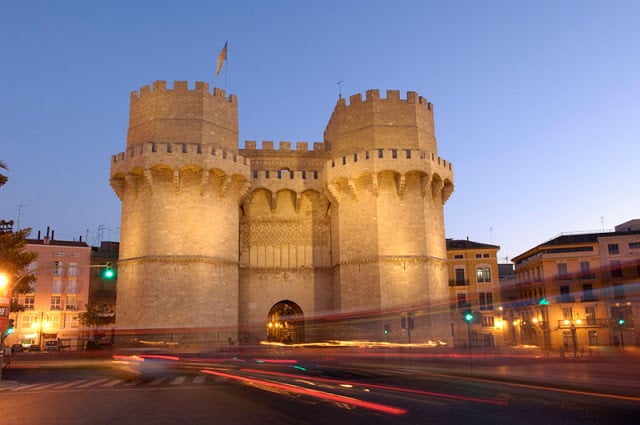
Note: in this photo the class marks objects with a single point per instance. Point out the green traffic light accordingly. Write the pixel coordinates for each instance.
(468, 317)
(108, 272)
(620, 322)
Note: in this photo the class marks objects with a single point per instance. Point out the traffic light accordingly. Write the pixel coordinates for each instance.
(621, 321)
(108, 272)
(467, 316)
(387, 329)
(10, 327)
(403, 321)
(410, 322)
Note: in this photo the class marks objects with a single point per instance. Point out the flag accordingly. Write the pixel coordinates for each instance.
(221, 58)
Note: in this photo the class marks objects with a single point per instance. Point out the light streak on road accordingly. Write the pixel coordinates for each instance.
(313, 393)
(498, 402)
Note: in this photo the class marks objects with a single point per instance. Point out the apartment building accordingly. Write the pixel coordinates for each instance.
(49, 316)
(578, 292)
(474, 287)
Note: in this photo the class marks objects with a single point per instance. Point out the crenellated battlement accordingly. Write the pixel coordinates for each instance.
(177, 156)
(376, 122)
(394, 155)
(392, 96)
(183, 115)
(268, 147)
(181, 88)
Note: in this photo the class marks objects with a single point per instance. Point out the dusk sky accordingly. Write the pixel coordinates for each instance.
(537, 103)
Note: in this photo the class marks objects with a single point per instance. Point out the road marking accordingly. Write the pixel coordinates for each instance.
(199, 379)
(71, 384)
(179, 380)
(34, 386)
(157, 381)
(112, 383)
(92, 383)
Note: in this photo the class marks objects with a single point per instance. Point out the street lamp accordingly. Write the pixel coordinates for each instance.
(41, 326)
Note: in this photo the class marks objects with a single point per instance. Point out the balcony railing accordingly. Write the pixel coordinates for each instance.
(601, 323)
(565, 299)
(458, 282)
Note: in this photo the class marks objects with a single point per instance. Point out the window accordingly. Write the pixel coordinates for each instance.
(587, 292)
(487, 321)
(71, 321)
(593, 337)
(71, 303)
(28, 321)
(72, 287)
(57, 269)
(590, 313)
(486, 300)
(567, 313)
(485, 255)
(613, 248)
(461, 298)
(458, 256)
(73, 269)
(616, 269)
(562, 271)
(56, 285)
(585, 270)
(478, 255)
(53, 319)
(460, 280)
(618, 291)
(483, 274)
(634, 245)
(565, 294)
(55, 302)
(29, 301)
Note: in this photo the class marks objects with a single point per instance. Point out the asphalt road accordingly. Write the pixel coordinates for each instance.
(321, 388)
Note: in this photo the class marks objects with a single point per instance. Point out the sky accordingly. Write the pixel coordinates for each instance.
(537, 103)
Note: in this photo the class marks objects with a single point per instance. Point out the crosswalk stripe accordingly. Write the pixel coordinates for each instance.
(157, 381)
(32, 386)
(113, 383)
(71, 384)
(92, 383)
(108, 383)
(179, 380)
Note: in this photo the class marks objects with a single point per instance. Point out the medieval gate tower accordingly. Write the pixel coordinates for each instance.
(222, 245)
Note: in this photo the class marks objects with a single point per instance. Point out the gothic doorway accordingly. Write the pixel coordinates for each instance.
(285, 323)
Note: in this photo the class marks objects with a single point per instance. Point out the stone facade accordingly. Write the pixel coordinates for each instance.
(221, 244)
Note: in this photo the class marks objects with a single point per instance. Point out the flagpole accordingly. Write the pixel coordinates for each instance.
(226, 71)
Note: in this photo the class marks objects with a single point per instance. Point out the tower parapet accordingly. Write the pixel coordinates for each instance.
(377, 122)
(160, 114)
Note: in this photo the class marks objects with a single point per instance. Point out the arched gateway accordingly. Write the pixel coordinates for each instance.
(285, 323)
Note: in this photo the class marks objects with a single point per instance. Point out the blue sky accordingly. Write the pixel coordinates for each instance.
(537, 103)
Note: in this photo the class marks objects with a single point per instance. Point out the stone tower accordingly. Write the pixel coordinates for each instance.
(388, 188)
(222, 244)
(180, 181)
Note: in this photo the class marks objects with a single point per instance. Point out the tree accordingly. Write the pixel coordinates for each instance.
(13, 257)
(97, 316)
(3, 178)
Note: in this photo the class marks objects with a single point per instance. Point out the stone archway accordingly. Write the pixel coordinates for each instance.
(285, 323)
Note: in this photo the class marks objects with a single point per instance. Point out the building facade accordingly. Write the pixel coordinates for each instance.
(221, 244)
(474, 287)
(577, 292)
(50, 313)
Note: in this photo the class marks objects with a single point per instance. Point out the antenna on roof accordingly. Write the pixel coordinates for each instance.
(339, 83)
